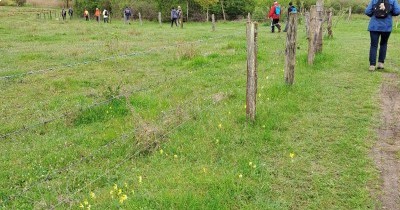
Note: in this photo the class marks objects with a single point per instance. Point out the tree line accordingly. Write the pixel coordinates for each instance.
(199, 10)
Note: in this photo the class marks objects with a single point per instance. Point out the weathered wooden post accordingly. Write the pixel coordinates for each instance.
(140, 19)
(159, 18)
(349, 17)
(251, 90)
(312, 37)
(320, 23)
(50, 15)
(248, 17)
(307, 23)
(291, 49)
(329, 14)
(181, 21)
(213, 22)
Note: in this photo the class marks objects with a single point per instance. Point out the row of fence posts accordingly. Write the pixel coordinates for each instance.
(314, 27)
(47, 14)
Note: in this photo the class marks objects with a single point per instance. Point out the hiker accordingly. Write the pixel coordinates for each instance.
(70, 12)
(97, 14)
(179, 15)
(291, 9)
(380, 25)
(63, 14)
(274, 15)
(127, 15)
(174, 16)
(105, 15)
(86, 14)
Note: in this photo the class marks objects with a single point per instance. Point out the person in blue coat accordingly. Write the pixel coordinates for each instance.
(380, 27)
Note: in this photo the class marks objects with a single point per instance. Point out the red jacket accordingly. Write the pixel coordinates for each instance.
(272, 12)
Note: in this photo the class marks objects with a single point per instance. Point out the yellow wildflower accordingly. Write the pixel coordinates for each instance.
(123, 198)
(291, 155)
(92, 195)
(126, 185)
(86, 202)
(115, 187)
(220, 125)
(250, 163)
(88, 207)
(254, 166)
(161, 151)
(140, 179)
(119, 192)
(81, 205)
(240, 175)
(175, 156)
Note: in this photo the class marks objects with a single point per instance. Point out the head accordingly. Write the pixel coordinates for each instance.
(275, 2)
(179, 7)
(290, 3)
(173, 8)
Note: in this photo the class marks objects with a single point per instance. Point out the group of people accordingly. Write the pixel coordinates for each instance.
(64, 13)
(176, 15)
(275, 14)
(97, 14)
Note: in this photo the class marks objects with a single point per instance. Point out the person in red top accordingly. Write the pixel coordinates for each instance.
(97, 14)
(274, 15)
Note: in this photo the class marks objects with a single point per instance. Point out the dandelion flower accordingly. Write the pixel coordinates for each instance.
(291, 155)
(81, 205)
(86, 202)
(123, 198)
(92, 195)
(240, 175)
(111, 192)
(161, 151)
(115, 187)
(175, 156)
(250, 163)
(140, 179)
(88, 207)
(245, 106)
(254, 166)
(220, 125)
(119, 192)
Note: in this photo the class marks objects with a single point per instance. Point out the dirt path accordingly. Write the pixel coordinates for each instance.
(386, 152)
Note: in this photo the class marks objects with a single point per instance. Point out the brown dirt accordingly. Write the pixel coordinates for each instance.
(386, 152)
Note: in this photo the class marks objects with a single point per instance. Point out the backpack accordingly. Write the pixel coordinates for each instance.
(294, 9)
(277, 10)
(128, 12)
(379, 11)
(106, 13)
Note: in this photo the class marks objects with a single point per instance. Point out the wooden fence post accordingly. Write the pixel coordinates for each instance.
(248, 17)
(349, 17)
(251, 90)
(307, 23)
(213, 22)
(291, 49)
(140, 19)
(329, 28)
(320, 23)
(181, 20)
(312, 35)
(159, 18)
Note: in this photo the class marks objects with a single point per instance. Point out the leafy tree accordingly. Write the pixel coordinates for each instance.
(205, 4)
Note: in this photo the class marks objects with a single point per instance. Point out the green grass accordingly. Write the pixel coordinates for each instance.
(178, 120)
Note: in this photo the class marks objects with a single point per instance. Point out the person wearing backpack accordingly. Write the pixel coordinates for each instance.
(274, 15)
(70, 12)
(127, 15)
(179, 15)
(86, 14)
(105, 16)
(64, 14)
(291, 9)
(174, 16)
(380, 25)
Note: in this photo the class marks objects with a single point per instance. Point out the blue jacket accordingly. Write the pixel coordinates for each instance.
(382, 24)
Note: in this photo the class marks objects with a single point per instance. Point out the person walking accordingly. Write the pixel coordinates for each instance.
(86, 14)
(380, 26)
(70, 13)
(63, 14)
(127, 15)
(274, 15)
(105, 15)
(291, 9)
(174, 16)
(179, 15)
(97, 15)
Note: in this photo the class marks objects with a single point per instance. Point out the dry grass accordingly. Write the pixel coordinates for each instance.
(45, 3)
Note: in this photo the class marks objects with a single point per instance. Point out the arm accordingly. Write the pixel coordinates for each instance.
(368, 11)
(271, 12)
(396, 9)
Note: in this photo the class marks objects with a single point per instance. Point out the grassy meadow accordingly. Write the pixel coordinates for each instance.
(116, 116)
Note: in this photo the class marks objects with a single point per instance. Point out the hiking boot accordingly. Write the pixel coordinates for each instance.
(372, 68)
(380, 65)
